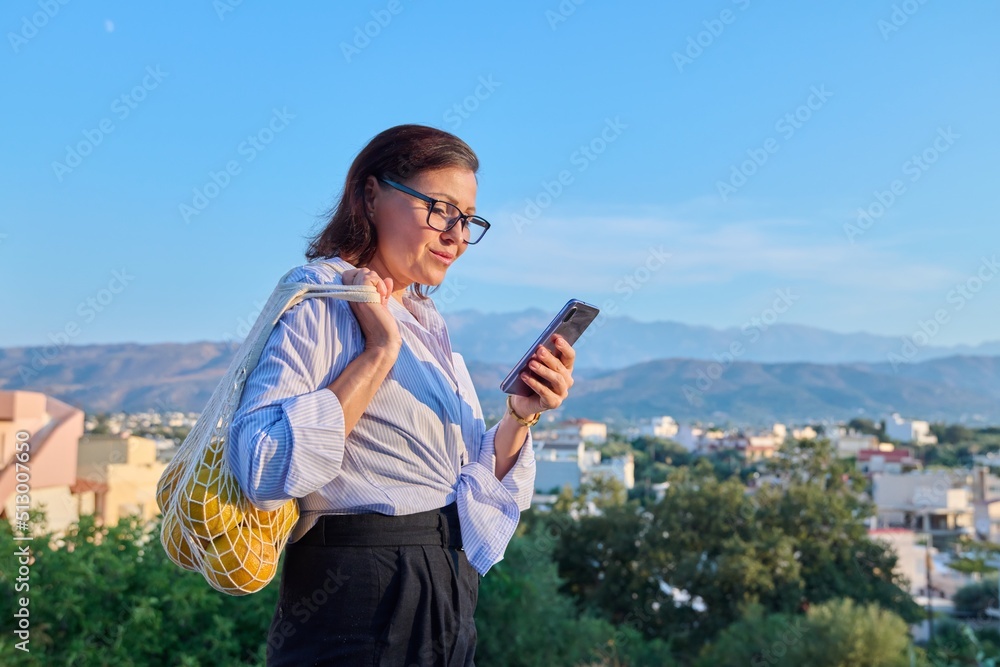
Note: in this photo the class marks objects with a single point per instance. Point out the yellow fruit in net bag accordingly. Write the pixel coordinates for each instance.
(275, 525)
(174, 543)
(165, 487)
(212, 503)
(240, 561)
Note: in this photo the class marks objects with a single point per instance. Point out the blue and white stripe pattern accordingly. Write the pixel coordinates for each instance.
(421, 444)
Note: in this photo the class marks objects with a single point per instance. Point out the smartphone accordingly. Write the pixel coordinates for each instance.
(570, 323)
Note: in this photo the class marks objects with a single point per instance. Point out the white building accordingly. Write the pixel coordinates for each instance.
(659, 427)
(621, 468)
(563, 459)
(696, 439)
(804, 433)
(583, 429)
(909, 430)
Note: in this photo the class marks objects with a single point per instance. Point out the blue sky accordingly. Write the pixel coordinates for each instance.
(710, 154)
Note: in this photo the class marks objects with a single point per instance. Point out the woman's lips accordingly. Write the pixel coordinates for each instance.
(445, 259)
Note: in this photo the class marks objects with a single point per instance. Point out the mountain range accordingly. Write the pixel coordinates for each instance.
(617, 342)
(625, 370)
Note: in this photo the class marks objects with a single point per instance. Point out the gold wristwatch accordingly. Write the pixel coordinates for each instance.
(524, 422)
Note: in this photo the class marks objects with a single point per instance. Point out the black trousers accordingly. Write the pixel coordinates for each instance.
(371, 589)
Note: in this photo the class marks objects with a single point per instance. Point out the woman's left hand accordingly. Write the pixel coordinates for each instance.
(550, 377)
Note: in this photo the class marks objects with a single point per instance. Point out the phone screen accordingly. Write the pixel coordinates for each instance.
(570, 323)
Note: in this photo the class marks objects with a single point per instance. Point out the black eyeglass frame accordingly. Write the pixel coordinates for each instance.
(463, 217)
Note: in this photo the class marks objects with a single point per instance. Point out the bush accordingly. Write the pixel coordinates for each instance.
(837, 633)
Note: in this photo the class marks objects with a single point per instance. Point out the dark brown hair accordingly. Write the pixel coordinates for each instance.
(402, 151)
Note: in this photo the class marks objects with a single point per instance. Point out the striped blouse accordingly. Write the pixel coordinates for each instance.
(420, 445)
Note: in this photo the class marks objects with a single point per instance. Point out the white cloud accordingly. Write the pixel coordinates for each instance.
(593, 253)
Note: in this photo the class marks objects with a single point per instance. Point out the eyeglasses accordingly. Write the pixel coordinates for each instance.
(442, 215)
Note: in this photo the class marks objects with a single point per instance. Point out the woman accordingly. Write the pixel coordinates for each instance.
(364, 413)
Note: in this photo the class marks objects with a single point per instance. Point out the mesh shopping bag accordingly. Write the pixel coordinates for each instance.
(208, 524)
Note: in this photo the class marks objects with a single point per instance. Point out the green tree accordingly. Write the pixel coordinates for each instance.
(110, 596)
(710, 548)
(867, 426)
(837, 633)
(524, 621)
(974, 599)
(955, 644)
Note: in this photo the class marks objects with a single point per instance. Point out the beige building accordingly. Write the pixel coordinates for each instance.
(940, 500)
(659, 427)
(584, 429)
(52, 430)
(117, 476)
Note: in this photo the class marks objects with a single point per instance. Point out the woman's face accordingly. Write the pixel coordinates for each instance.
(409, 251)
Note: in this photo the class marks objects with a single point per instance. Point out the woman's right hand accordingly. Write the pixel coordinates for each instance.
(377, 324)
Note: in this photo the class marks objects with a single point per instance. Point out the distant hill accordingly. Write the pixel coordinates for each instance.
(965, 389)
(617, 342)
(125, 376)
(134, 377)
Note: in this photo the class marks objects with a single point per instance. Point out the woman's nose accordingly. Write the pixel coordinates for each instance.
(455, 233)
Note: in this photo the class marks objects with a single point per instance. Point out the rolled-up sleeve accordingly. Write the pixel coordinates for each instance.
(520, 479)
(286, 439)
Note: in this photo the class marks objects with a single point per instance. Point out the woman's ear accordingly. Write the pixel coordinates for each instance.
(371, 194)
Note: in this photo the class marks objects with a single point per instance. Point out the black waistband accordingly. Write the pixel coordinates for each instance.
(437, 527)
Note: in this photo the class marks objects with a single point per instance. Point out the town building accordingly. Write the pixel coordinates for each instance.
(909, 431)
(562, 457)
(117, 476)
(848, 443)
(659, 427)
(52, 429)
(940, 500)
(589, 431)
(895, 461)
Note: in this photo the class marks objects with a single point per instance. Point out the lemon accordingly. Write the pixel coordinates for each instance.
(240, 561)
(165, 487)
(275, 525)
(212, 503)
(172, 539)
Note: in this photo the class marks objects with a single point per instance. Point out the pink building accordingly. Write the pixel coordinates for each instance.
(53, 430)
